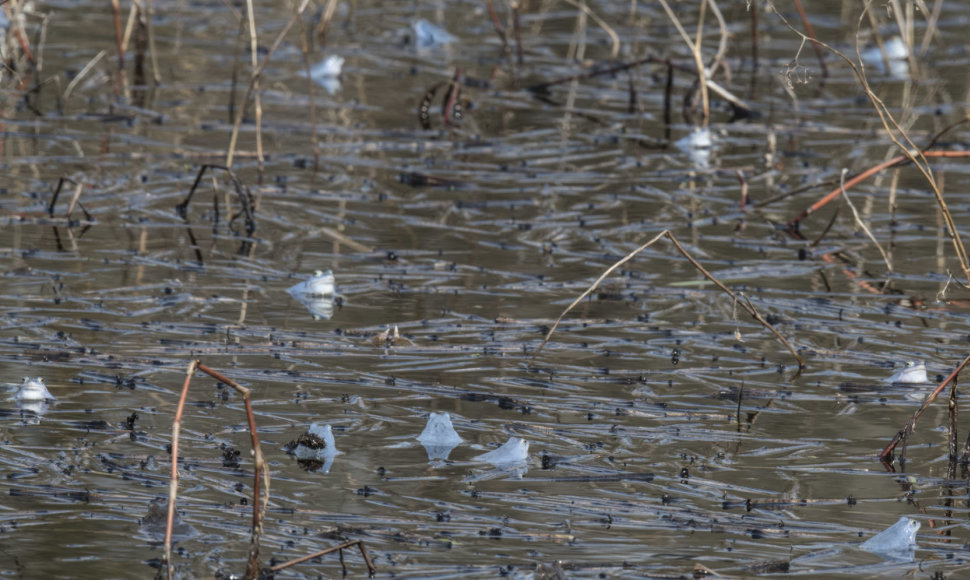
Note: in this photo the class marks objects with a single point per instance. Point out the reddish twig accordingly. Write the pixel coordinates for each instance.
(886, 455)
(811, 35)
(898, 160)
(359, 543)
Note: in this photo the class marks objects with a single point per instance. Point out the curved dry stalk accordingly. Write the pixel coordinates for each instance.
(614, 37)
(745, 304)
(254, 85)
(860, 223)
(259, 468)
(906, 431)
(173, 482)
(897, 134)
(260, 475)
(695, 49)
(359, 543)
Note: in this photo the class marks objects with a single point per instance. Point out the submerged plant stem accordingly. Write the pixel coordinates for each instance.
(745, 304)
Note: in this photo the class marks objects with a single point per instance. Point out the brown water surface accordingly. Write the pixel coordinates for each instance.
(471, 237)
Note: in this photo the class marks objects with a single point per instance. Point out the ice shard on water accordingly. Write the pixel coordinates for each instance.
(898, 541)
(512, 452)
(439, 436)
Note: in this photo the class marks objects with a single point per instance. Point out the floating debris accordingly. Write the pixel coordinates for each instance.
(898, 541)
(698, 146)
(329, 68)
(514, 451)
(318, 294)
(427, 35)
(912, 373)
(33, 390)
(439, 436)
(320, 284)
(390, 337)
(315, 449)
(327, 73)
(154, 523)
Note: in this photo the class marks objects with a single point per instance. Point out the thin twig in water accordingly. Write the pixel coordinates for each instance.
(695, 49)
(746, 304)
(359, 543)
(861, 224)
(905, 432)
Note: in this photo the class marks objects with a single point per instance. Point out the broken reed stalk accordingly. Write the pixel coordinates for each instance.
(695, 49)
(906, 431)
(862, 224)
(75, 199)
(813, 38)
(898, 160)
(745, 304)
(359, 543)
(254, 83)
(245, 198)
(260, 471)
(173, 481)
(898, 136)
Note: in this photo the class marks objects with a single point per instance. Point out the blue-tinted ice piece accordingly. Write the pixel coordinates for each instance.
(320, 284)
(327, 73)
(898, 541)
(515, 450)
(33, 389)
(439, 436)
(912, 373)
(329, 68)
(427, 35)
(317, 294)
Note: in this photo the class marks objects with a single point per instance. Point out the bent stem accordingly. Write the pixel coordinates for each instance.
(745, 303)
(260, 472)
(898, 135)
(885, 457)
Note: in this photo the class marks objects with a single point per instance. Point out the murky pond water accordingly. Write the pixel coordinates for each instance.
(668, 431)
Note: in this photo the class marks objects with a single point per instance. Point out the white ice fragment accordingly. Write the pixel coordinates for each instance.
(317, 294)
(327, 73)
(698, 145)
(315, 449)
(912, 373)
(897, 541)
(320, 284)
(439, 436)
(33, 390)
(427, 35)
(515, 450)
(439, 431)
(329, 68)
(897, 54)
(316, 444)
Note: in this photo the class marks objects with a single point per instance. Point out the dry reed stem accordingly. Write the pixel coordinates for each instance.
(906, 431)
(897, 134)
(898, 160)
(746, 304)
(861, 224)
(254, 84)
(695, 49)
(260, 471)
(119, 44)
(813, 38)
(173, 481)
(245, 197)
(259, 468)
(614, 37)
(84, 72)
(359, 543)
